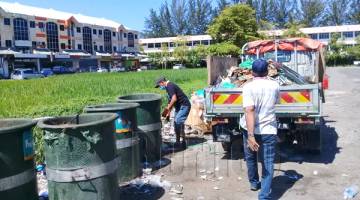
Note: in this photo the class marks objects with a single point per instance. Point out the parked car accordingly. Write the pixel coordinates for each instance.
(179, 66)
(20, 74)
(118, 69)
(62, 70)
(47, 72)
(144, 67)
(101, 70)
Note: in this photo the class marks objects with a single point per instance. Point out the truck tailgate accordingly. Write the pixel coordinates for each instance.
(295, 100)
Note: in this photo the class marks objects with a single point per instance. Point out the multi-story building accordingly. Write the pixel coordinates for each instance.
(348, 34)
(27, 28)
(154, 45)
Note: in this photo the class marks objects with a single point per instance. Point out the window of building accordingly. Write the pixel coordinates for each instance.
(8, 43)
(94, 31)
(189, 44)
(131, 42)
(7, 21)
(107, 41)
(357, 33)
(33, 44)
(101, 48)
(205, 42)
(124, 35)
(87, 39)
(114, 34)
(157, 45)
(78, 29)
(348, 34)
(313, 36)
(41, 25)
(150, 45)
(171, 44)
(115, 49)
(79, 47)
(32, 24)
(136, 36)
(100, 32)
(52, 36)
(196, 42)
(324, 36)
(62, 27)
(63, 46)
(95, 47)
(21, 30)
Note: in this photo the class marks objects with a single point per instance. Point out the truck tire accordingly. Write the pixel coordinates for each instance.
(226, 146)
(313, 140)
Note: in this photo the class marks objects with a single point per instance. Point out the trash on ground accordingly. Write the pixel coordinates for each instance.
(202, 170)
(177, 189)
(217, 169)
(216, 188)
(147, 171)
(203, 177)
(315, 172)
(220, 178)
(351, 192)
(239, 178)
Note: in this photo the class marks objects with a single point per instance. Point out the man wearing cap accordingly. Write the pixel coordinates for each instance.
(180, 101)
(259, 99)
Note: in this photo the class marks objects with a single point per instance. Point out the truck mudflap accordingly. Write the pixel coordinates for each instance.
(295, 100)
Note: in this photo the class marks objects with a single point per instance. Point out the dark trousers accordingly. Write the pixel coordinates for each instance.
(181, 115)
(266, 151)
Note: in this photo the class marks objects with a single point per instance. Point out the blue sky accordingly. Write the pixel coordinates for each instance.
(131, 13)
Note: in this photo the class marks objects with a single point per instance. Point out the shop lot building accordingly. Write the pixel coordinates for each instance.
(33, 36)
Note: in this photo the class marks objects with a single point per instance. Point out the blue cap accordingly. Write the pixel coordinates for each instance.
(260, 67)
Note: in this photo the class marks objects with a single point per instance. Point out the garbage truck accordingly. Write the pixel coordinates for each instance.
(301, 62)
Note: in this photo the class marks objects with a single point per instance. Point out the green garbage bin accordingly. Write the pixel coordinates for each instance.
(17, 167)
(149, 123)
(81, 157)
(127, 140)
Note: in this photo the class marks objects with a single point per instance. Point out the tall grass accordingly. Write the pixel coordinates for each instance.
(69, 94)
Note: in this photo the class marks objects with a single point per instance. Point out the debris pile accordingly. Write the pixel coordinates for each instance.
(237, 76)
(195, 120)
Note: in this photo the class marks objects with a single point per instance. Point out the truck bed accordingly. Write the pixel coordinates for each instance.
(295, 101)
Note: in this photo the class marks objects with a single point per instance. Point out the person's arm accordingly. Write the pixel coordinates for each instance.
(172, 102)
(249, 107)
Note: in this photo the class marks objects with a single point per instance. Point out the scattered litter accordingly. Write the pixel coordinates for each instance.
(202, 171)
(220, 178)
(209, 172)
(216, 188)
(177, 189)
(147, 171)
(177, 198)
(239, 178)
(344, 175)
(217, 169)
(203, 177)
(315, 172)
(200, 198)
(351, 192)
(152, 180)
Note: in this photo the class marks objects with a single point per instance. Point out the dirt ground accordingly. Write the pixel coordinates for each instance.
(206, 172)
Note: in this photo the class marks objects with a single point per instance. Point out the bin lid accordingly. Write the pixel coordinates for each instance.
(140, 97)
(113, 107)
(14, 124)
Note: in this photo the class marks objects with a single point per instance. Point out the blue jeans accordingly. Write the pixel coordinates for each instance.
(266, 151)
(181, 115)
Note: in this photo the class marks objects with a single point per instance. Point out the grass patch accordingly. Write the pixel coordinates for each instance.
(69, 94)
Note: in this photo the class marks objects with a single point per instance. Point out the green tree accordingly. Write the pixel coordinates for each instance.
(282, 11)
(166, 20)
(221, 5)
(311, 12)
(293, 30)
(165, 55)
(224, 49)
(180, 52)
(153, 25)
(200, 15)
(236, 24)
(354, 16)
(179, 12)
(355, 50)
(337, 12)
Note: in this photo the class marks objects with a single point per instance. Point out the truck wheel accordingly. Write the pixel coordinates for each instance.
(313, 140)
(226, 146)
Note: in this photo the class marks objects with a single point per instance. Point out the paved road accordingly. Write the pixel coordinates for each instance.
(322, 176)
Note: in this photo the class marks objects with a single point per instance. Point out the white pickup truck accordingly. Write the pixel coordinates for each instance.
(22, 74)
(299, 111)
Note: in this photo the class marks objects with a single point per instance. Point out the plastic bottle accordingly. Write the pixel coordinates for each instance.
(351, 192)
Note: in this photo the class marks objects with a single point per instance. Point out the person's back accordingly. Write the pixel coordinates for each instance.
(264, 94)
